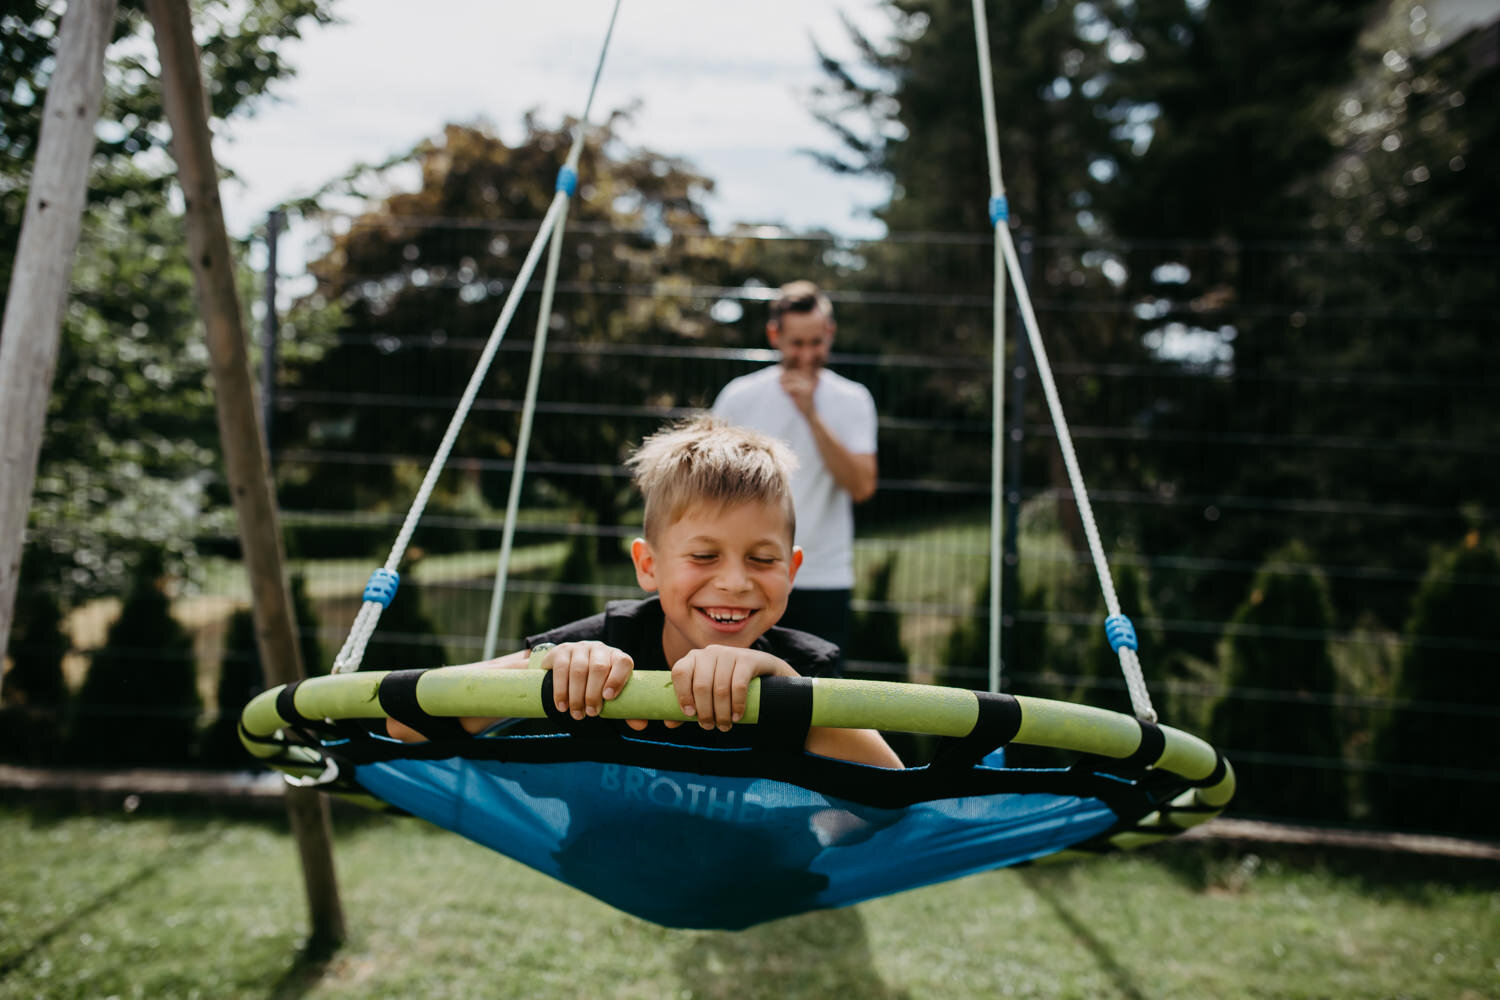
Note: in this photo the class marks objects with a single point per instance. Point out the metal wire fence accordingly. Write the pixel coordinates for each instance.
(1219, 418)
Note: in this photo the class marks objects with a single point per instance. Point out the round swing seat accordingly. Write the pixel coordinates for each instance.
(684, 833)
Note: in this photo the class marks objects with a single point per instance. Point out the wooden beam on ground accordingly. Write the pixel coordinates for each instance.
(38, 291)
(240, 429)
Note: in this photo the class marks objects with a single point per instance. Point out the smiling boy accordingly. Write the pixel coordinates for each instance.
(718, 553)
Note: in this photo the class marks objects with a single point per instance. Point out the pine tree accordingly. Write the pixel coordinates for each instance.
(1280, 683)
(1449, 663)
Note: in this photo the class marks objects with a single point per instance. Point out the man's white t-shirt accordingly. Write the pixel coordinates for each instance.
(825, 511)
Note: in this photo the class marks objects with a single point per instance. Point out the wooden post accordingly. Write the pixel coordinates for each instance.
(240, 429)
(43, 267)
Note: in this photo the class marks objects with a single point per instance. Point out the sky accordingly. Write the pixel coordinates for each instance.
(721, 84)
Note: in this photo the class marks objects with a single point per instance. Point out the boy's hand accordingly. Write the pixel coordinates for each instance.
(585, 675)
(713, 683)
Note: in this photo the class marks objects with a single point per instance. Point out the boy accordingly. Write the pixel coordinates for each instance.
(718, 553)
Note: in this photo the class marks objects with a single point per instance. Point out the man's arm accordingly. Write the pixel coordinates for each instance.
(854, 472)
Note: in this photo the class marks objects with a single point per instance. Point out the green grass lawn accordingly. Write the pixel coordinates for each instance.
(196, 906)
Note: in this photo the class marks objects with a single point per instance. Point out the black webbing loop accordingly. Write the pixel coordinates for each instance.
(593, 727)
(1217, 774)
(1146, 754)
(786, 705)
(398, 699)
(998, 722)
(1153, 742)
(286, 705)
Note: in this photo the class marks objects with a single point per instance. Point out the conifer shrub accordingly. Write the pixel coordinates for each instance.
(241, 676)
(571, 600)
(1448, 694)
(139, 702)
(875, 650)
(1276, 721)
(36, 691)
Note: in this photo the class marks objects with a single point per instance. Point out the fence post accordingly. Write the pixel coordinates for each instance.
(270, 333)
(43, 266)
(1016, 438)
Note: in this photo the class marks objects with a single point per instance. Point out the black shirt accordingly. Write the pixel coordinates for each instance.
(635, 627)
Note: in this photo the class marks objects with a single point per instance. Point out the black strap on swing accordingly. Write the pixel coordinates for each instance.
(786, 705)
(998, 722)
(398, 699)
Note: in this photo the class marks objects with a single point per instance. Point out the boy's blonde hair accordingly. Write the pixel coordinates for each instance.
(705, 460)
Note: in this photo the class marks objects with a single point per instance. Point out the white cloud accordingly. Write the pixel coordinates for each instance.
(720, 84)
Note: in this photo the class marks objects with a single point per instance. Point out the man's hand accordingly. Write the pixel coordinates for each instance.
(800, 384)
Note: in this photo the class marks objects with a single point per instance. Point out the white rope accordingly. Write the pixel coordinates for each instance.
(1005, 251)
(353, 651)
(534, 375)
(369, 613)
(997, 354)
(523, 443)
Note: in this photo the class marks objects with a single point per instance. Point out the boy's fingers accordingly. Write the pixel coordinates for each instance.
(601, 660)
(578, 680)
(703, 689)
(744, 671)
(682, 682)
(557, 662)
(636, 724)
(724, 681)
(619, 673)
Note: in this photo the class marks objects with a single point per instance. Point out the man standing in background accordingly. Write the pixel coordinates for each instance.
(829, 422)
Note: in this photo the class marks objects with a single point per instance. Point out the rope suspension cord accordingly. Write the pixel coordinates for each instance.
(567, 179)
(384, 581)
(1000, 219)
(1118, 629)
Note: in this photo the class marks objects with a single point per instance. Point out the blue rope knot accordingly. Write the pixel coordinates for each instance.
(567, 181)
(999, 210)
(382, 586)
(1119, 632)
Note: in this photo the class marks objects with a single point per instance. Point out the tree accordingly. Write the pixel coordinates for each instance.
(1448, 671)
(1286, 178)
(139, 703)
(130, 357)
(910, 111)
(1276, 721)
(421, 277)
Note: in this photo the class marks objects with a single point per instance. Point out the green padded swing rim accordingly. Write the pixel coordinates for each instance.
(487, 692)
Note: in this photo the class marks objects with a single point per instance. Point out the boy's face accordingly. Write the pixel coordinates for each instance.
(723, 575)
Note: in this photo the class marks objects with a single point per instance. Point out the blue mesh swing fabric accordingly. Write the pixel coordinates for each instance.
(758, 848)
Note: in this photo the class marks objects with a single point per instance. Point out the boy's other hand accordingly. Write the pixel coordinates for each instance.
(585, 675)
(713, 682)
